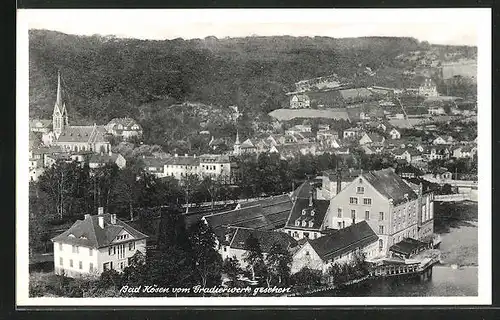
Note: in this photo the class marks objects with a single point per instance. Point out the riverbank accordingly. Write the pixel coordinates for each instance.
(457, 223)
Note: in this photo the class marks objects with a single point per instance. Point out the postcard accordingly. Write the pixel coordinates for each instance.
(264, 157)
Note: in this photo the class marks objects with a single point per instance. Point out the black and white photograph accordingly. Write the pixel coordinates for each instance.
(253, 157)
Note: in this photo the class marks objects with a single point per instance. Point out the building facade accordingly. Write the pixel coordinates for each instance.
(96, 244)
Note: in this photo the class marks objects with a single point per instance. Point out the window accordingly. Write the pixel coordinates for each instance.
(343, 224)
(122, 265)
(340, 225)
(303, 212)
(353, 214)
(380, 244)
(106, 266)
(225, 248)
(297, 223)
(312, 212)
(367, 215)
(310, 224)
(110, 250)
(114, 250)
(353, 200)
(381, 216)
(381, 229)
(295, 234)
(131, 246)
(60, 261)
(360, 190)
(91, 252)
(80, 265)
(306, 235)
(367, 201)
(91, 267)
(75, 249)
(339, 212)
(71, 263)
(304, 223)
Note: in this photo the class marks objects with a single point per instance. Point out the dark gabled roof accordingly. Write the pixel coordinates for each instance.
(88, 233)
(276, 209)
(183, 161)
(153, 162)
(249, 217)
(88, 134)
(407, 246)
(266, 239)
(344, 240)
(103, 158)
(390, 185)
(305, 189)
(127, 124)
(301, 211)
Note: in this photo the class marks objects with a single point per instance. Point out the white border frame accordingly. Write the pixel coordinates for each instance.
(479, 17)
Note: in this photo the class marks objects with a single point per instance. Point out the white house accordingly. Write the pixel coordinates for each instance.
(395, 134)
(352, 133)
(96, 244)
(99, 160)
(232, 242)
(427, 88)
(124, 127)
(439, 140)
(336, 247)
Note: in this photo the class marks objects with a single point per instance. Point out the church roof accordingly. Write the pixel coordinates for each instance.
(88, 134)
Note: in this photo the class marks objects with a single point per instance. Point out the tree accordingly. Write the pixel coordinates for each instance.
(278, 262)
(231, 267)
(253, 255)
(213, 186)
(206, 260)
(189, 185)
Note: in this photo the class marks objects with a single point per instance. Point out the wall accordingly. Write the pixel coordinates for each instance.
(306, 257)
(98, 257)
(104, 255)
(379, 204)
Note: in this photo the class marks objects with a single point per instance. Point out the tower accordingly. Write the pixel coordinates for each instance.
(60, 114)
(236, 147)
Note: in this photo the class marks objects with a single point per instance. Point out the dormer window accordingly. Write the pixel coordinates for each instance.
(304, 223)
(311, 223)
(71, 235)
(297, 223)
(303, 212)
(313, 212)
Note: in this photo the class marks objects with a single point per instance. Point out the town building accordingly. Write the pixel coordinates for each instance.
(99, 160)
(370, 138)
(395, 134)
(232, 243)
(95, 244)
(467, 151)
(124, 127)
(382, 199)
(336, 247)
(299, 101)
(307, 213)
(75, 138)
(427, 88)
(352, 133)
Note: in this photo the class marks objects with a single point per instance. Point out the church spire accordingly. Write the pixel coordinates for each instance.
(237, 138)
(59, 97)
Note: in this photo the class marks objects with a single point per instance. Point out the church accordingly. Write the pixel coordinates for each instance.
(74, 138)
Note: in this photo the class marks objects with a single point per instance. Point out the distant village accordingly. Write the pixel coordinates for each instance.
(325, 220)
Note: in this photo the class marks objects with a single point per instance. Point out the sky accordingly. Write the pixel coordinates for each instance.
(439, 26)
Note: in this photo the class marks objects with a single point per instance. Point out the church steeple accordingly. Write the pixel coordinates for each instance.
(60, 114)
(236, 147)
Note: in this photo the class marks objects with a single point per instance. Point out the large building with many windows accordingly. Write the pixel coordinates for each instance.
(98, 243)
(392, 208)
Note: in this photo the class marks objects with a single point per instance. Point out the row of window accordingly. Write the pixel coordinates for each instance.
(121, 249)
(366, 201)
(80, 264)
(304, 223)
(306, 234)
(76, 249)
(109, 265)
(367, 214)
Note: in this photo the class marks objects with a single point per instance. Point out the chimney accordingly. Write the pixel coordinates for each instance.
(339, 180)
(101, 222)
(100, 210)
(113, 218)
(311, 196)
(87, 216)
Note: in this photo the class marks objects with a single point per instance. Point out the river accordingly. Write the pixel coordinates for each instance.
(458, 246)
